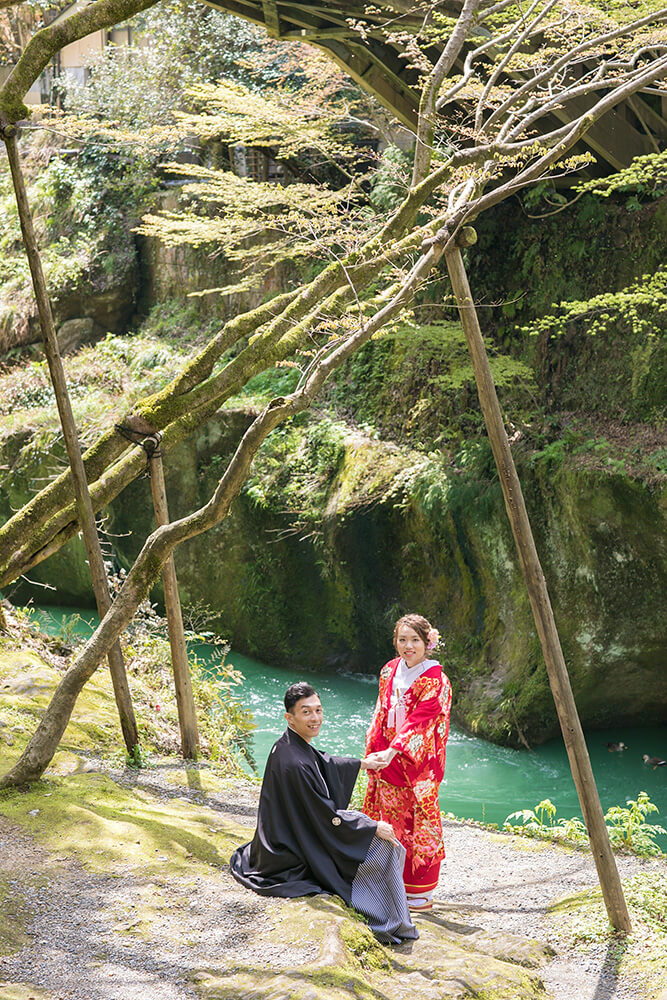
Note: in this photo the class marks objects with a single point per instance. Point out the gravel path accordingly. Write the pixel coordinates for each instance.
(89, 944)
(511, 889)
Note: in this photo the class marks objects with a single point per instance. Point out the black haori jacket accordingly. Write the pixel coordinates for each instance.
(306, 840)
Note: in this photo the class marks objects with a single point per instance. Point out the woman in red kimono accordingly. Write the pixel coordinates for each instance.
(407, 739)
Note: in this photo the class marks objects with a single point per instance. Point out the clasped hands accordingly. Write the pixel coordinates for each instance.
(376, 761)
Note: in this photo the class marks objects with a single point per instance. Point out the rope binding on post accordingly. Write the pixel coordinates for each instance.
(150, 442)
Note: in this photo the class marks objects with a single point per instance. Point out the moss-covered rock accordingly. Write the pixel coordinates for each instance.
(521, 269)
(337, 532)
(443, 963)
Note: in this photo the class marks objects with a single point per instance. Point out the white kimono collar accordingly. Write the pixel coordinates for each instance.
(404, 678)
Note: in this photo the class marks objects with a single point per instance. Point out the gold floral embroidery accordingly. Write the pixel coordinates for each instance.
(428, 687)
(421, 788)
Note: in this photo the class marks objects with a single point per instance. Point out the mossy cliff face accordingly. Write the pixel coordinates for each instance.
(523, 265)
(343, 526)
(30, 459)
(168, 274)
(337, 533)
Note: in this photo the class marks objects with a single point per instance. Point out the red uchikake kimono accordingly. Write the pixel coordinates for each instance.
(405, 793)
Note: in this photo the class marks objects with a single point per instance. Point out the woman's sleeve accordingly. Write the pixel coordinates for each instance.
(375, 728)
(374, 739)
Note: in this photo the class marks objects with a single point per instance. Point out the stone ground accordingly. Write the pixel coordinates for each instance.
(115, 885)
(510, 882)
(97, 914)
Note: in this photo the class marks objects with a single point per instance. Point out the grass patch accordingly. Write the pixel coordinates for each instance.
(104, 379)
(110, 828)
(27, 683)
(14, 917)
(583, 923)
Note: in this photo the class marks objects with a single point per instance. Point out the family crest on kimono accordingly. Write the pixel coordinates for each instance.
(406, 741)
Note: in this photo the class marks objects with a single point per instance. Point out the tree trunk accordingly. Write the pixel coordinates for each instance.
(161, 543)
(540, 602)
(84, 505)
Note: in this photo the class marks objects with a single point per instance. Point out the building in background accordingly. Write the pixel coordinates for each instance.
(72, 60)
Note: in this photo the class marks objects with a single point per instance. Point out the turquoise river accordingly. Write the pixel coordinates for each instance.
(482, 781)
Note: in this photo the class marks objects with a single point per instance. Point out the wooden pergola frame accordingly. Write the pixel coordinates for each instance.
(635, 128)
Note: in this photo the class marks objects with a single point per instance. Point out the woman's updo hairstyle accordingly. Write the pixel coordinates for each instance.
(420, 624)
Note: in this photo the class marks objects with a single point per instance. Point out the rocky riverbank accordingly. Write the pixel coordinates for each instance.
(115, 884)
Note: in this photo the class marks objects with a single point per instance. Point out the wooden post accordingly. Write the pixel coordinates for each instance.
(539, 597)
(187, 714)
(84, 505)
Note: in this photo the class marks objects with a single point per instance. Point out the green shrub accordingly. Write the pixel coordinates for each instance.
(627, 825)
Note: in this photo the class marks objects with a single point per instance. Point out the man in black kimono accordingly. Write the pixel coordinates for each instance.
(307, 840)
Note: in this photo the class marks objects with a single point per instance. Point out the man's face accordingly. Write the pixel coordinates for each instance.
(306, 717)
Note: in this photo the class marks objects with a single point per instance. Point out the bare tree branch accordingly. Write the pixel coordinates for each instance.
(519, 40)
(46, 522)
(574, 132)
(427, 103)
(594, 41)
(164, 540)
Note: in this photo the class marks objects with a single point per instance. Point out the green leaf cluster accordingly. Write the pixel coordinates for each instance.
(282, 120)
(175, 45)
(646, 175)
(626, 825)
(262, 221)
(239, 216)
(295, 467)
(641, 308)
(391, 181)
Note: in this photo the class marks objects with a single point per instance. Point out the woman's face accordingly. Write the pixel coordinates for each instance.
(410, 645)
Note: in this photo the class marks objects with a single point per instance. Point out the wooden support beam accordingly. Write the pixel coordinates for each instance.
(271, 18)
(246, 9)
(187, 713)
(84, 507)
(538, 594)
(652, 123)
(612, 137)
(375, 65)
(315, 35)
(394, 93)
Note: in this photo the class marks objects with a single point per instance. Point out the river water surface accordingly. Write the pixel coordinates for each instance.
(482, 781)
